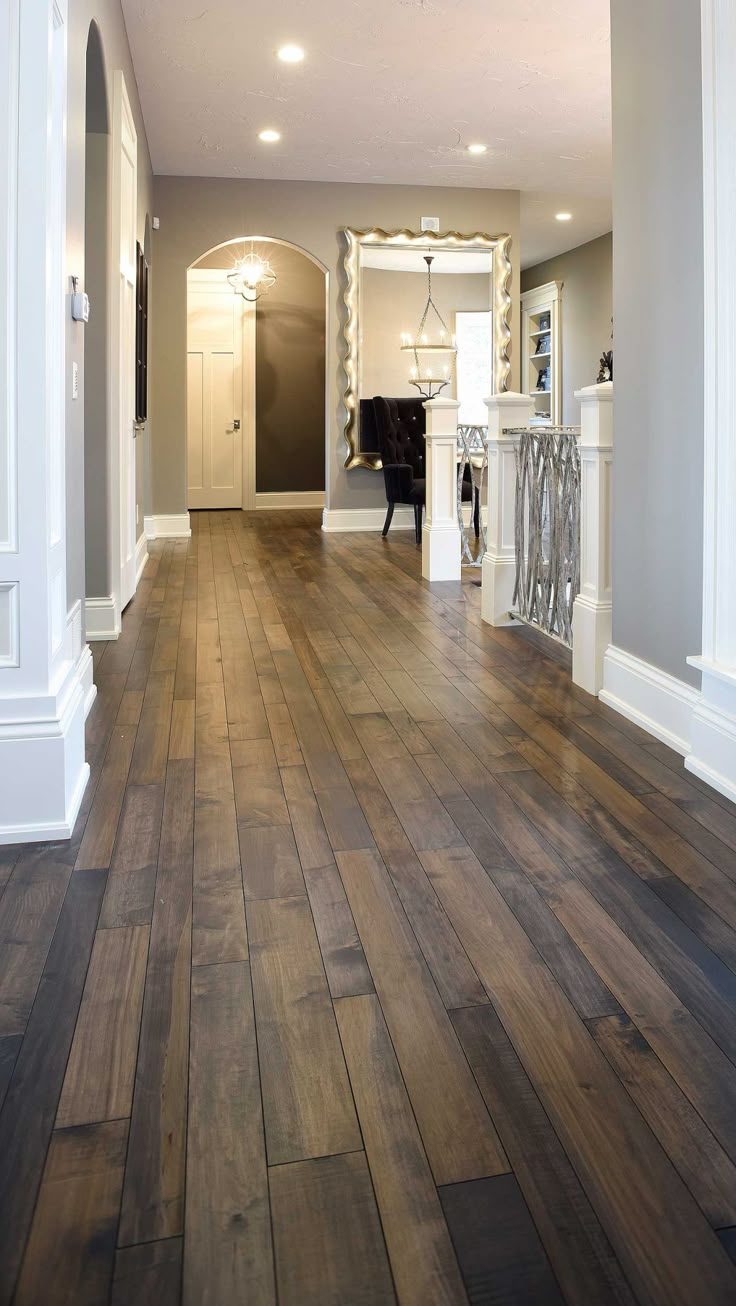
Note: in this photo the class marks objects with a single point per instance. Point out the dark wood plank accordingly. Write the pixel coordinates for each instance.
(30, 1105)
(95, 850)
(29, 911)
(130, 884)
(456, 1130)
(501, 1257)
(307, 1103)
(270, 862)
(314, 847)
(422, 1259)
(70, 1251)
(327, 1235)
(153, 1193)
(708, 1172)
(9, 1049)
(228, 1254)
(98, 1084)
(630, 1180)
(148, 1274)
(343, 957)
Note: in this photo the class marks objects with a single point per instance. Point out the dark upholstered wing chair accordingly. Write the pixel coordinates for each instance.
(400, 426)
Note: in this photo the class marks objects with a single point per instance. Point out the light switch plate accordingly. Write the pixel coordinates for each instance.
(430, 224)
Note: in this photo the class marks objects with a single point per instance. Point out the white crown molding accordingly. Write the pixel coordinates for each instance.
(298, 499)
(101, 618)
(367, 519)
(651, 698)
(167, 526)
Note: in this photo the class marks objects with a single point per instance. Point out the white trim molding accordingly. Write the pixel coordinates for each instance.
(441, 541)
(505, 411)
(712, 754)
(291, 499)
(168, 526)
(101, 618)
(651, 698)
(366, 519)
(592, 609)
(141, 557)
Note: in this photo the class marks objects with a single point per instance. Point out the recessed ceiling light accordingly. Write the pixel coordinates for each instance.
(269, 136)
(563, 217)
(477, 148)
(290, 54)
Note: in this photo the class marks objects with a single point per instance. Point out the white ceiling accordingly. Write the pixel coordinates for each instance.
(390, 91)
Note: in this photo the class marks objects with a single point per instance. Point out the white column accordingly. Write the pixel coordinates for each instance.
(45, 671)
(441, 531)
(591, 615)
(712, 753)
(505, 411)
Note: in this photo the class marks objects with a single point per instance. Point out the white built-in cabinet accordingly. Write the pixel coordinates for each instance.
(541, 351)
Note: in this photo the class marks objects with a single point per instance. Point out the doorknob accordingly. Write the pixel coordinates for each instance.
(236, 424)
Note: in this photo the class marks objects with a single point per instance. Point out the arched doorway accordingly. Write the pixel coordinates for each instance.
(256, 381)
(100, 617)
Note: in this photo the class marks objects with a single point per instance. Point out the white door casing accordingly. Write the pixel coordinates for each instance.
(220, 394)
(124, 209)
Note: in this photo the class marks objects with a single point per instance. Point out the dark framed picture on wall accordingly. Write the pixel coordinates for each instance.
(141, 337)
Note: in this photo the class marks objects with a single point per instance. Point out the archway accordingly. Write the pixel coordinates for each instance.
(276, 372)
(100, 617)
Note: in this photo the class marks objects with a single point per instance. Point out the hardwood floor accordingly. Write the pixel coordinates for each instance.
(383, 965)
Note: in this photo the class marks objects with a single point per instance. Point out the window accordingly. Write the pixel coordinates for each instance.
(474, 366)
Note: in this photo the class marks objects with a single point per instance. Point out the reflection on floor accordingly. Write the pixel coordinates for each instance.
(384, 965)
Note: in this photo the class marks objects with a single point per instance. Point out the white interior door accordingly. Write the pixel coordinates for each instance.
(122, 389)
(214, 393)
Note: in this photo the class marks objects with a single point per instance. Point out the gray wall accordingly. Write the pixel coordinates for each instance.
(198, 213)
(95, 336)
(290, 377)
(585, 314)
(658, 317)
(109, 18)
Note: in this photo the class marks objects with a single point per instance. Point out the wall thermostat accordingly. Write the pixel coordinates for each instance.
(430, 224)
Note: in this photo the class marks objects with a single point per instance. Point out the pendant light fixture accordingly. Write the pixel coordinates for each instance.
(252, 276)
(424, 349)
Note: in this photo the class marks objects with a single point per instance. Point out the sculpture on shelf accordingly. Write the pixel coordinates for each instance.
(605, 371)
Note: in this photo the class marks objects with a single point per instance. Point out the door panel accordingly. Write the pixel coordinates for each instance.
(214, 397)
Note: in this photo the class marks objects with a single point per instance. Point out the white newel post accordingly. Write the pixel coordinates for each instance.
(441, 532)
(591, 614)
(505, 411)
(45, 670)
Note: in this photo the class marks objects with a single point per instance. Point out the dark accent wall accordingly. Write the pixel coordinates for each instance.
(290, 377)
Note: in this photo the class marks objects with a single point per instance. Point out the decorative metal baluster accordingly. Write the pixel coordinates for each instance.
(547, 535)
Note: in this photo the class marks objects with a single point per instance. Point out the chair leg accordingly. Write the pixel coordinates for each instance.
(476, 512)
(389, 515)
(418, 522)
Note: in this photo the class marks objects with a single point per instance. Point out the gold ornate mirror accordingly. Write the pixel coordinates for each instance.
(426, 312)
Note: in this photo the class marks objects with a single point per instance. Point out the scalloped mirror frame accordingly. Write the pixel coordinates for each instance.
(501, 308)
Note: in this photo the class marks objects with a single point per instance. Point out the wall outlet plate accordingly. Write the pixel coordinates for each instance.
(430, 224)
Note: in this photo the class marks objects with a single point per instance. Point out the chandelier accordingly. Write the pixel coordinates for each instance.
(422, 374)
(252, 276)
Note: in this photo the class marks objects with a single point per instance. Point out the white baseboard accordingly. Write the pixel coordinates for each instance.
(42, 761)
(651, 698)
(101, 618)
(367, 519)
(301, 499)
(167, 526)
(141, 557)
(712, 754)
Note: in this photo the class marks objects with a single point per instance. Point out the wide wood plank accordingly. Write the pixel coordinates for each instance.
(148, 1274)
(422, 1259)
(29, 910)
(99, 1079)
(342, 955)
(129, 893)
(456, 1130)
(501, 1257)
(327, 1235)
(30, 1105)
(70, 1251)
(307, 1103)
(228, 1254)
